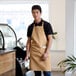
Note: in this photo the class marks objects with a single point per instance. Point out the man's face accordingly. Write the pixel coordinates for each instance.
(36, 14)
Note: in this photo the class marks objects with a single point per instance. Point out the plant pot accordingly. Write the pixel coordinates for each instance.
(74, 72)
(71, 73)
(68, 73)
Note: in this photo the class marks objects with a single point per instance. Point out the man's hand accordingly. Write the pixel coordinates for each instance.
(26, 58)
(44, 56)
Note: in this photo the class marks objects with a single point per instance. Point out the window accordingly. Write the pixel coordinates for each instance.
(19, 16)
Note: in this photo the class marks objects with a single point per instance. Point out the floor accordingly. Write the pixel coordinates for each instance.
(58, 74)
(30, 73)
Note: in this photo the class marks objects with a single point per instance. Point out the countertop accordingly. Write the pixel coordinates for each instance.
(6, 51)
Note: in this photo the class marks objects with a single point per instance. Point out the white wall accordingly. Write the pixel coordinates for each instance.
(75, 28)
(62, 19)
(69, 27)
(56, 57)
(57, 19)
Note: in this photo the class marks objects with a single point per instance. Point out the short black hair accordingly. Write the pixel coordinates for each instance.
(38, 7)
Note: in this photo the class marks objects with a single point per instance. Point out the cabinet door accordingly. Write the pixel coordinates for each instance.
(7, 64)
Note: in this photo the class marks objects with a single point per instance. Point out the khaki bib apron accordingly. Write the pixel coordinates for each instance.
(38, 46)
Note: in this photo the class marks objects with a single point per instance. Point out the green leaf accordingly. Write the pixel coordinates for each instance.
(72, 59)
(69, 62)
(68, 69)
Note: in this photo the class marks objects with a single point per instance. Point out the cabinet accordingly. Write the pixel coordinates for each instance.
(7, 64)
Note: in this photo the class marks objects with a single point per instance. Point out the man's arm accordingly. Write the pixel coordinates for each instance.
(28, 48)
(49, 43)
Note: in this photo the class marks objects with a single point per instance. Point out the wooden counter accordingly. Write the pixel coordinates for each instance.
(7, 64)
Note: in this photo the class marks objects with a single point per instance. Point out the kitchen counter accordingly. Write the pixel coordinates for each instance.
(6, 51)
(7, 62)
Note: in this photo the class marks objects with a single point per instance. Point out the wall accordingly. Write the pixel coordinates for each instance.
(69, 27)
(57, 19)
(69, 30)
(56, 57)
(62, 19)
(75, 28)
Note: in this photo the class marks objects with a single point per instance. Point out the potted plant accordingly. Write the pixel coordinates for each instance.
(69, 63)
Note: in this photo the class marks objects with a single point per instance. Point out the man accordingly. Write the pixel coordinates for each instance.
(38, 44)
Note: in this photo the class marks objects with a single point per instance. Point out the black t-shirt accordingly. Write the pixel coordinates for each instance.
(47, 28)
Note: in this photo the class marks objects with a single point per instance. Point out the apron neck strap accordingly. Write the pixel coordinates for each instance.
(41, 25)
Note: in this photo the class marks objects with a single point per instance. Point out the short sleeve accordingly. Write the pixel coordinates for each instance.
(48, 29)
(29, 31)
